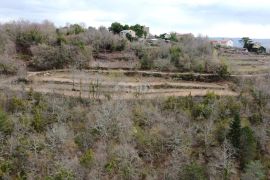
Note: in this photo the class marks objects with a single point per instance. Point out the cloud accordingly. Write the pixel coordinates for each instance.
(211, 17)
(238, 30)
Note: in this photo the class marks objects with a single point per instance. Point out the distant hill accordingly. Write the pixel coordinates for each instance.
(263, 42)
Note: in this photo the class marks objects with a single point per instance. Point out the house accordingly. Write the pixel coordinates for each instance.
(147, 30)
(256, 47)
(179, 35)
(125, 32)
(167, 36)
(153, 41)
(223, 43)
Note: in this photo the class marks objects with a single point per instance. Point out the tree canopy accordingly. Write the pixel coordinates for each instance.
(117, 27)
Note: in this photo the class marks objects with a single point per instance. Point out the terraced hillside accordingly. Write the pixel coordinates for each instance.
(118, 84)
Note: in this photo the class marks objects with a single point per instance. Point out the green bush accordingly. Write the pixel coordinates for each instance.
(176, 53)
(201, 111)
(220, 132)
(147, 62)
(254, 171)
(61, 174)
(256, 118)
(6, 167)
(193, 172)
(235, 132)
(223, 71)
(6, 125)
(25, 39)
(17, 104)
(38, 122)
(248, 146)
(87, 158)
(139, 117)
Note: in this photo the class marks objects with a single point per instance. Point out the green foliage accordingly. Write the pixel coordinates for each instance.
(221, 132)
(139, 117)
(129, 37)
(87, 158)
(248, 146)
(252, 46)
(201, 110)
(6, 125)
(25, 39)
(223, 71)
(6, 167)
(147, 62)
(17, 104)
(61, 174)
(176, 54)
(256, 118)
(193, 171)
(75, 29)
(254, 171)
(111, 165)
(139, 30)
(38, 122)
(173, 37)
(260, 98)
(176, 104)
(116, 27)
(245, 41)
(210, 98)
(235, 132)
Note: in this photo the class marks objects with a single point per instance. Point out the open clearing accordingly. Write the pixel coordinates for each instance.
(116, 84)
(248, 63)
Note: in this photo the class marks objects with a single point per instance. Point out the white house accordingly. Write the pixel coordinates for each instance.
(224, 43)
(125, 32)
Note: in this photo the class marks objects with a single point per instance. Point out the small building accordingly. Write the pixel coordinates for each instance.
(125, 32)
(179, 35)
(167, 36)
(223, 43)
(153, 41)
(147, 30)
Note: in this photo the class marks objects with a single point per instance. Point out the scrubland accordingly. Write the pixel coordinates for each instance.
(84, 103)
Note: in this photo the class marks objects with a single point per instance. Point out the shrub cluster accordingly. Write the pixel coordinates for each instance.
(176, 138)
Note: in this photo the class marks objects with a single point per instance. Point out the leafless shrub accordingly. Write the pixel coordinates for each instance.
(8, 65)
(112, 121)
(127, 163)
(102, 39)
(49, 57)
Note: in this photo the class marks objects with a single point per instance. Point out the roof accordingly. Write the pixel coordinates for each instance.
(127, 31)
(220, 41)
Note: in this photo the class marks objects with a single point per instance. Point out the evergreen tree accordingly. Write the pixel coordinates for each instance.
(235, 131)
(248, 146)
(254, 171)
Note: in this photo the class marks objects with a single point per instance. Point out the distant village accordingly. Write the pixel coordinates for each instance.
(131, 33)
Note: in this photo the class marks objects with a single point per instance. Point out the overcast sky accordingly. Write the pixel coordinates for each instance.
(215, 18)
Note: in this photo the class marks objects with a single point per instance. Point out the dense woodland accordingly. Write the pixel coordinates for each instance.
(49, 136)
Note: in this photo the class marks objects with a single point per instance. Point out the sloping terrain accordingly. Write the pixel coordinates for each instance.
(117, 85)
(247, 63)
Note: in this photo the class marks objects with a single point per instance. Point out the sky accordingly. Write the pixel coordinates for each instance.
(214, 18)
